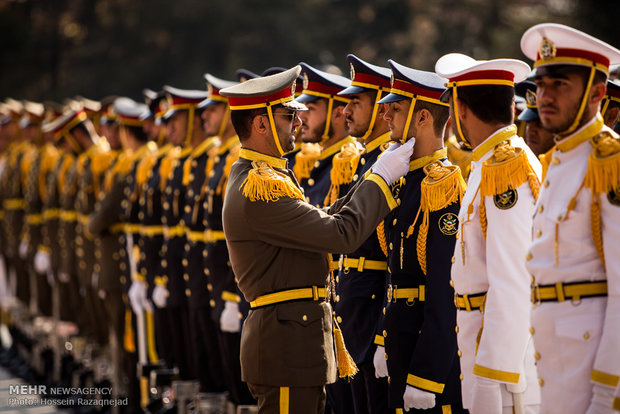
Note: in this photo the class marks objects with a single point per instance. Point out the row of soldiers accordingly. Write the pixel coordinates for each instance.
(117, 207)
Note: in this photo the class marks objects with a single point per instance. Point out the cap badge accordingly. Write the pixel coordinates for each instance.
(530, 97)
(306, 81)
(547, 49)
(352, 71)
(392, 80)
(209, 88)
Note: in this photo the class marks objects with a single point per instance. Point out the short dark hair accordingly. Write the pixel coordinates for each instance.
(137, 131)
(242, 121)
(491, 103)
(440, 114)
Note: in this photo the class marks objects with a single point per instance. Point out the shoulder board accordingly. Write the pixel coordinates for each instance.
(167, 165)
(144, 167)
(442, 186)
(505, 170)
(603, 174)
(102, 162)
(305, 159)
(264, 183)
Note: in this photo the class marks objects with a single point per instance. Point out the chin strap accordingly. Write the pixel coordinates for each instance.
(224, 122)
(582, 106)
(373, 117)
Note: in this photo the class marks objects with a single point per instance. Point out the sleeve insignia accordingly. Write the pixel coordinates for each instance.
(506, 199)
(448, 224)
(614, 197)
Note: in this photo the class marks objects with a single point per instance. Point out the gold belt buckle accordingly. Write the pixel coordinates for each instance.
(340, 262)
(344, 264)
(389, 293)
(394, 290)
(536, 299)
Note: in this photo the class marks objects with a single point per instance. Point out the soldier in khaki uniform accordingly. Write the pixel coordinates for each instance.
(278, 245)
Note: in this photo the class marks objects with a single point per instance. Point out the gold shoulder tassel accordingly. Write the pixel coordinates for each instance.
(231, 158)
(507, 169)
(266, 184)
(166, 167)
(344, 165)
(100, 163)
(144, 168)
(459, 155)
(442, 186)
(603, 173)
(346, 364)
(304, 160)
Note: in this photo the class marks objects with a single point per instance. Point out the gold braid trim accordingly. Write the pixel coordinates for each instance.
(187, 169)
(545, 160)
(595, 224)
(507, 169)
(99, 165)
(344, 165)
(459, 155)
(266, 184)
(231, 158)
(603, 174)
(482, 212)
(144, 168)
(304, 160)
(381, 238)
(208, 170)
(442, 186)
(167, 165)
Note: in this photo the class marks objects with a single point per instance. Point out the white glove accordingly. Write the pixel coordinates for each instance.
(418, 399)
(137, 293)
(160, 295)
(23, 249)
(380, 362)
(147, 305)
(42, 262)
(394, 162)
(229, 319)
(486, 397)
(63, 277)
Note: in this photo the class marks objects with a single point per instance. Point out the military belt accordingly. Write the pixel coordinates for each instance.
(151, 230)
(197, 236)
(215, 236)
(14, 204)
(360, 264)
(470, 302)
(410, 294)
(310, 293)
(560, 292)
(117, 227)
(82, 218)
(68, 215)
(51, 213)
(132, 228)
(34, 219)
(175, 231)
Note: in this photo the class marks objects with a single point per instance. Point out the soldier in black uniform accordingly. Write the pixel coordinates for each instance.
(323, 124)
(420, 340)
(184, 129)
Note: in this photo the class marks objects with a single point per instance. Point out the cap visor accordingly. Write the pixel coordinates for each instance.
(445, 96)
(305, 98)
(295, 105)
(528, 115)
(392, 97)
(352, 90)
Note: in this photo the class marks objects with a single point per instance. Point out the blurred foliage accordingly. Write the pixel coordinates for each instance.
(52, 49)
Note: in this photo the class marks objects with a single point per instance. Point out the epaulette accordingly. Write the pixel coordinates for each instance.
(305, 159)
(603, 174)
(266, 184)
(167, 165)
(506, 170)
(231, 158)
(204, 146)
(144, 168)
(459, 156)
(99, 165)
(344, 165)
(442, 186)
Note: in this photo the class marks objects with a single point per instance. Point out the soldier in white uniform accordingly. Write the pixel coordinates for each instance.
(574, 258)
(492, 287)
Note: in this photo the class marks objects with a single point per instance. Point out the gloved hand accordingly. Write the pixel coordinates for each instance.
(418, 399)
(160, 295)
(486, 396)
(394, 162)
(380, 362)
(137, 293)
(147, 305)
(42, 262)
(229, 319)
(23, 249)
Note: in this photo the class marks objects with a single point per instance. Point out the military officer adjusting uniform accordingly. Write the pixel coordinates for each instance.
(489, 275)
(420, 342)
(573, 259)
(278, 245)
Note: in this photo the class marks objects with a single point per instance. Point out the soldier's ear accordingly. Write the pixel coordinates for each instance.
(260, 124)
(597, 92)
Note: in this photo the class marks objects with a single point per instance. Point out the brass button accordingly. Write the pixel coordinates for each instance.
(355, 177)
(394, 222)
(304, 318)
(389, 379)
(586, 336)
(337, 279)
(528, 256)
(456, 329)
(188, 292)
(531, 330)
(384, 333)
(123, 280)
(540, 208)
(538, 233)
(373, 296)
(398, 202)
(188, 209)
(316, 163)
(164, 263)
(391, 246)
(451, 283)
(386, 356)
(536, 356)
(122, 266)
(209, 287)
(212, 303)
(310, 182)
(461, 377)
(452, 260)
(541, 382)
(362, 161)
(337, 298)
(185, 262)
(546, 183)
(459, 353)
(384, 311)
(338, 318)
(555, 160)
(186, 277)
